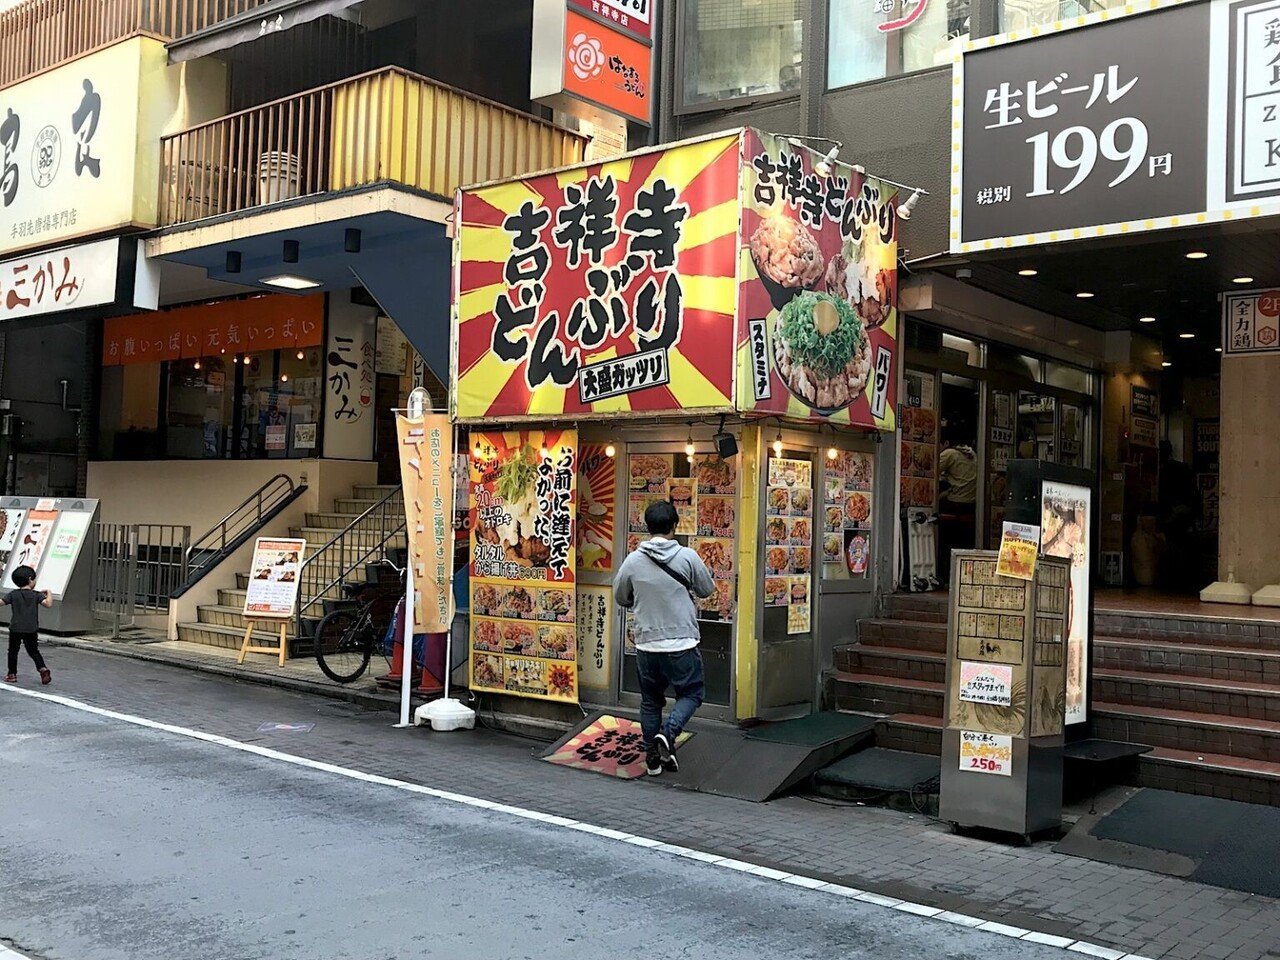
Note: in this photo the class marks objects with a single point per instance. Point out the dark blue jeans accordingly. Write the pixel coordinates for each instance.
(683, 673)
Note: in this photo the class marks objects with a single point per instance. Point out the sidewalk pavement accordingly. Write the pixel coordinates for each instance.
(898, 855)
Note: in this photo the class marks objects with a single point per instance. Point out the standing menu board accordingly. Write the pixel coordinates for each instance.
(523, 506)
(788, 540)
(273, 578)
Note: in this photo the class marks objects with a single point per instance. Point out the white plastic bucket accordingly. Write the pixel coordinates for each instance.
(278, 176)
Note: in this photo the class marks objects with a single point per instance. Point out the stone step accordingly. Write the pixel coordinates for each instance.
(352, 506)
(1211, 775)
(215, 635)
(911, 732)
(373, 491)
(1163, 656)
(232, 598)
(886, 661)
(931, 607)
(1196, 631)
(1228, 698)
(914, 634)
(223, 615)
(1193, 731)
(868, 693)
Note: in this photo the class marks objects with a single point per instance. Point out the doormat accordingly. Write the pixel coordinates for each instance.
(609, 745)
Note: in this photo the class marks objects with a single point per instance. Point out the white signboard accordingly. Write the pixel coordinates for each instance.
(70, 278)
(348, 381)
(273, 578)
(987, 683)
(60, 557)
(1251, 322)
(990, 753)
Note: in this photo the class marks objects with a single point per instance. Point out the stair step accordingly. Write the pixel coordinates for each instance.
(242, 581)
(373, 491)
(915, 634)
(1211, 774)
(1218, 662)
(886, 661)
(914, 733)
(353, 506)
(869, 693)
(232, 598)
(1197, 631)
(223, 615)
(1189, 730)
(929, 607)
(336, 520)
(229, 638)
(1255, 700)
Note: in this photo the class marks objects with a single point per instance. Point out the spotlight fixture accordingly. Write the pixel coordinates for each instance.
(1197, 255)
(1027, 272)
(610, 451)
(351, 240)
(233, 261)
(823, 167)
(905, 209)
(290, 252)
(726, 445)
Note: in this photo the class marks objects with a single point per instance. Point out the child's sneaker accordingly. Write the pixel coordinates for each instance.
(11, 678)
(46, 677)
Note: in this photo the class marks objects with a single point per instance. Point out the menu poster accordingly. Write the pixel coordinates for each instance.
(10, 524)
(596, 507)
(273, 578)
(60, 559)
(1019, 546)
(788, 542)
(595, 636)
(1064, 532)
(523, 506)
(35, 535)
(846, 515)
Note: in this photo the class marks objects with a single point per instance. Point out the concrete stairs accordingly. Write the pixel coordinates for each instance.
(1204, 693)
(222, 624)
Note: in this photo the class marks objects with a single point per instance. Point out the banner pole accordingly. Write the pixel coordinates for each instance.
(406, 660)
(453, 606)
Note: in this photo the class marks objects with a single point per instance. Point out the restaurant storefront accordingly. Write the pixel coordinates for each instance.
(683, 321)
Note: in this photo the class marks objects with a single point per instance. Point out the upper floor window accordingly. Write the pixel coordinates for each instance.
(870, 39)
(1018, 15)
(739, 50)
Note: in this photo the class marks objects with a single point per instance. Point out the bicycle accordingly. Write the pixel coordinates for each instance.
(347, 637)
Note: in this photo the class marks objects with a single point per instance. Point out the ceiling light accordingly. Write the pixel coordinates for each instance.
(1146, 319)
(1186, 336)
(1027, 272)
(1242, 279)
(1084, 295)
(1197, 255)
(288, 281)
(1217, 349)
(1166, 363)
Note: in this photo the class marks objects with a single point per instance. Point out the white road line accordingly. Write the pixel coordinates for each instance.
(766, 873)
(7, 954)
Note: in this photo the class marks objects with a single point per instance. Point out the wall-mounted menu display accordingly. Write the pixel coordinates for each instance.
(846, 515)
(788, 540)
(919, 467)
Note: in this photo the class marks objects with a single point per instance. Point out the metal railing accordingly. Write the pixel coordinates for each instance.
(40, 34)
(232, 531)
(362, 542)
(137, 568)
(386, 125)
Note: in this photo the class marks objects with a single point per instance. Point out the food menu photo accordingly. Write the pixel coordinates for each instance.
(919, 451)
(846, 515)
(523, 505)
(788, 540)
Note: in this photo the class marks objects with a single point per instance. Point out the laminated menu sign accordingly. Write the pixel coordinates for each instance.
(523, 512)
(990, 683)
(1019, 547)
(788, 544)
(60, 559)
(273, 577)
(1064, 525)
(919, 451)
(990, 753)
(846, 515)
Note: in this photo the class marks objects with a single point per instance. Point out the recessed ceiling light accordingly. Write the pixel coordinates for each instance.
(1217, 349)
(1027, 272)
(290, 282)
(1166, 363)
(1186, 336)
(1242, 279)
(1196, 255)
(1084, 295)
(1146, 319)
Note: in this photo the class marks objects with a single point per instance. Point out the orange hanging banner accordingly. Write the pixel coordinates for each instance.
(426, 446)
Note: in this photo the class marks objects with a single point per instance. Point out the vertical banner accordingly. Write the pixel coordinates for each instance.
(426, 449)
(1064, 532)
(523, 507)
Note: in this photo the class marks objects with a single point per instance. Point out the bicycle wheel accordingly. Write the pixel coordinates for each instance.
(342, 647)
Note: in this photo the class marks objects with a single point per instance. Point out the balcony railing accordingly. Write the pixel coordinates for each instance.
(39, 34)
(387, 125)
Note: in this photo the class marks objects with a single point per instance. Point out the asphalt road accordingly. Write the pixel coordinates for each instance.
(119, 842)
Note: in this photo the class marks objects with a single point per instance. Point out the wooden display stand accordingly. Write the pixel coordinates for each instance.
(246, 646)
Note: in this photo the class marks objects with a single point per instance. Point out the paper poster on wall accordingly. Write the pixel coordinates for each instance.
(596, 507)
(1019, 547)
(276, 436)
(990, 683)
(273, 578)
(595, 637)
(34, 537)
(990, 753)
(60, 558)
(10, 525)
(304, 436)
(1064, 532)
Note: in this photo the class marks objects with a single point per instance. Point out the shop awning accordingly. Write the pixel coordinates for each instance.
(269, 18)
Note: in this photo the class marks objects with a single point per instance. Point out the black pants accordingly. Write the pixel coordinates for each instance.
(29, 640)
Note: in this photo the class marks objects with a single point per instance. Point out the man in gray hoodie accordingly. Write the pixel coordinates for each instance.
(658, 582)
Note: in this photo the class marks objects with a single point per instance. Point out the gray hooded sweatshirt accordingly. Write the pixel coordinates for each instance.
(666, 619)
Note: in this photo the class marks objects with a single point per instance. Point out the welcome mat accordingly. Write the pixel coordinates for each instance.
(608, 745)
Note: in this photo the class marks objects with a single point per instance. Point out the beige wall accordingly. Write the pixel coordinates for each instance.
(199, 493)
(1250, 453)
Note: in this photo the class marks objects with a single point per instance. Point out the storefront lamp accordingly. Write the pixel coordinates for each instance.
(476, 452)
(688, 446)
(284, 378)
(196, 365)
(545, 452)
(610, 451)
(302, 355)
(1084, 295)
(777, 444)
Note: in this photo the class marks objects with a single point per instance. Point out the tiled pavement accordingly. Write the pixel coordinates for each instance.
(899, 855)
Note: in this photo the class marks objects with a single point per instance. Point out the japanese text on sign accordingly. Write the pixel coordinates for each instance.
(990, 753)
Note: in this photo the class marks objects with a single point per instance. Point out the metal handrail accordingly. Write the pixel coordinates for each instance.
(257, 500)
(369, 541)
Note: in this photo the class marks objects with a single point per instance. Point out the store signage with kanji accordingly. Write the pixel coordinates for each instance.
(1095, 130)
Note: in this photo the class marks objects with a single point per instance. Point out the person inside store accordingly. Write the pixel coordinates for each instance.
(1178, 507)
(657, 583)
(957, 496)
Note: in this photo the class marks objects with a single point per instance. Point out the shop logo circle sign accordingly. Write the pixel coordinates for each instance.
(586, 56)
(46, 154)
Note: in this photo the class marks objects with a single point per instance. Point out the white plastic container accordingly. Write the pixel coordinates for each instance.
(279, 176)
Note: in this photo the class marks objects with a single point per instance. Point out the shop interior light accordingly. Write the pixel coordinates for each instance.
(1146, 319)
(1084, 295)
(1197, 255)
(288, 281)
(1027, 272)
(777, 444)
(611, 451)
(1186, 336)
(1242, 279)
